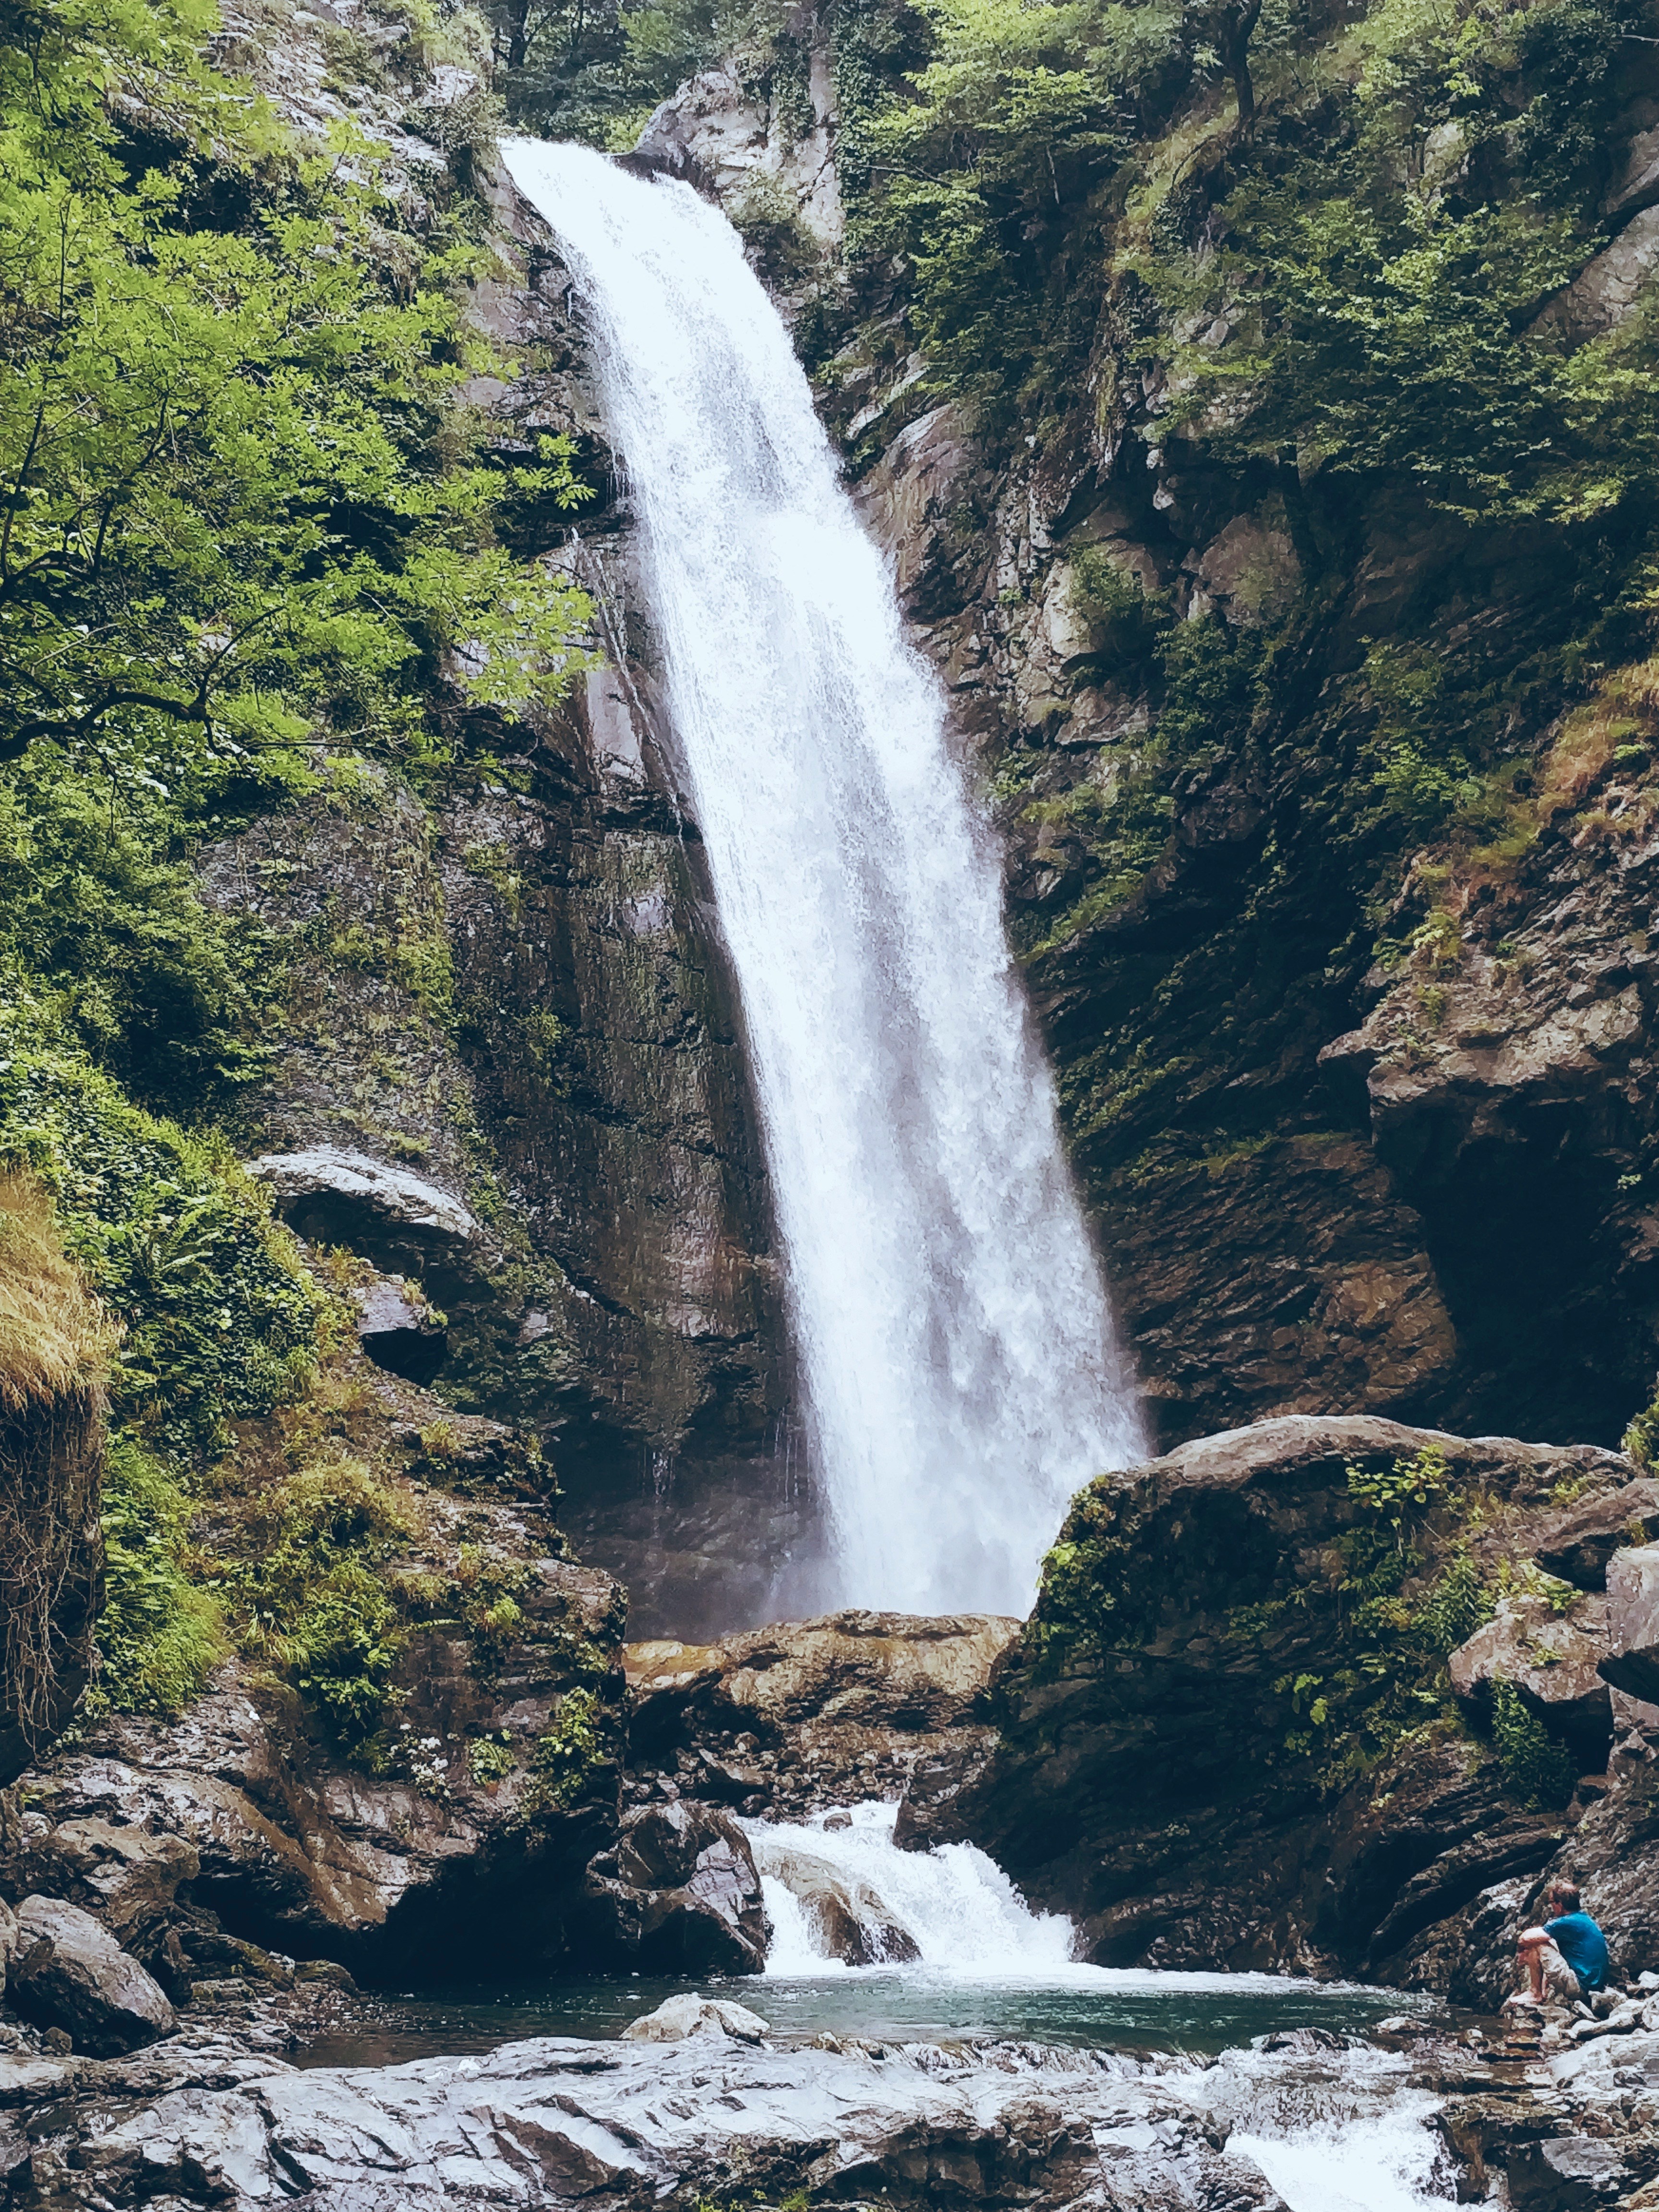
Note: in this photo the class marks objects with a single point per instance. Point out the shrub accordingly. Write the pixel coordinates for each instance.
(1537, 1769)
(159, 1634)
(221, 1318)
(313, 1594)
(54, 1345)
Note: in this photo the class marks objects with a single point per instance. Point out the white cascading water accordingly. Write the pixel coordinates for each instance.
(960, 1368)
(1347, 2134)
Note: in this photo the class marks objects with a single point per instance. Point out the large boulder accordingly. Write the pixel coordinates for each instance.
(690, 2014)
(1552, 1660)
(126, 1875)
(1580, 1541)
(807, 1714)
(1632, 1664)
(1220, 1744)
(678, 1891)
(69, 1971)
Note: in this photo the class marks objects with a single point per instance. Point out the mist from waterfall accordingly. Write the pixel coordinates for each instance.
(958, 1362)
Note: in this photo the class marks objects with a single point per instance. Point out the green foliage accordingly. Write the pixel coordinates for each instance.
(245, 515)
(991, 179)
(569, 1758)
(221, 1318)
(1454, 1606)
(310, 1590)
(1409, 1486)
(1641, 1438)
(488, 1586)
(594, 69)
(1537, 1769)
(159, 1634)
(491, 1759)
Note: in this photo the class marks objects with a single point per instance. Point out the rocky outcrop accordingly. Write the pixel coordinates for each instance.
(678, 1894)
(458, 1829)
(1226, 1737)
(632, 2124)
(805, 1715)
(67, 1971)
(848, 1919)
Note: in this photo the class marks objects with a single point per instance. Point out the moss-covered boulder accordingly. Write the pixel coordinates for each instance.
(1228, 1735)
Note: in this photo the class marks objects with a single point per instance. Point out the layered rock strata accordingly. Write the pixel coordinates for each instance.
(809, 1715)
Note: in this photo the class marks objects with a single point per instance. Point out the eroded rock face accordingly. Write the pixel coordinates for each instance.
(793, 1718)
(1159, 1771)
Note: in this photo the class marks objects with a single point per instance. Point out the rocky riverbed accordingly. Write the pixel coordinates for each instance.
(728, 2111)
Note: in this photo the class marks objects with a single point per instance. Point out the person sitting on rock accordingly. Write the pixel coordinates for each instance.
(1565, 1960)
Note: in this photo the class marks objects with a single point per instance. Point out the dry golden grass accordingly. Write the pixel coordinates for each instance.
(55, 1337)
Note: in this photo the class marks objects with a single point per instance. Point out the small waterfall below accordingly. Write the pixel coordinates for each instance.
(958, 1355)
(845, 1897)
(936, 1936)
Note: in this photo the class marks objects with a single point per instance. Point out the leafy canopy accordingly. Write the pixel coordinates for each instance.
(245, 508)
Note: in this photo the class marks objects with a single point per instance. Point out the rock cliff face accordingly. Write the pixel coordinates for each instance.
(1229, 1737)
(508, 985)
(1321, 1183)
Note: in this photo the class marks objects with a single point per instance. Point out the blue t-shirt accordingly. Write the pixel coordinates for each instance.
(1583, 1946)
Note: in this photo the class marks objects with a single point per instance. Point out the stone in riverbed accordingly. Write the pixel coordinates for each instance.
(67, 1971)
(678, 1891)
(690, 2014)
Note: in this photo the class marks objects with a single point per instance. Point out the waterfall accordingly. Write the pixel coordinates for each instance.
(958, 1362)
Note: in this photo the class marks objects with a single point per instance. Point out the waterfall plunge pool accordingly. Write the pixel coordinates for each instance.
(972, 1960)
(953, 1952)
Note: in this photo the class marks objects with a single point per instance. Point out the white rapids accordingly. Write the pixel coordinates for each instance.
(1332, 2132)
(959, 1365)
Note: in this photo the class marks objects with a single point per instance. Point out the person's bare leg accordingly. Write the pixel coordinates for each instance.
(1529, 1957)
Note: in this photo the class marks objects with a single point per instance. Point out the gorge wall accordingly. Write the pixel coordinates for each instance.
(1360, 1105)
(1357, 1109)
